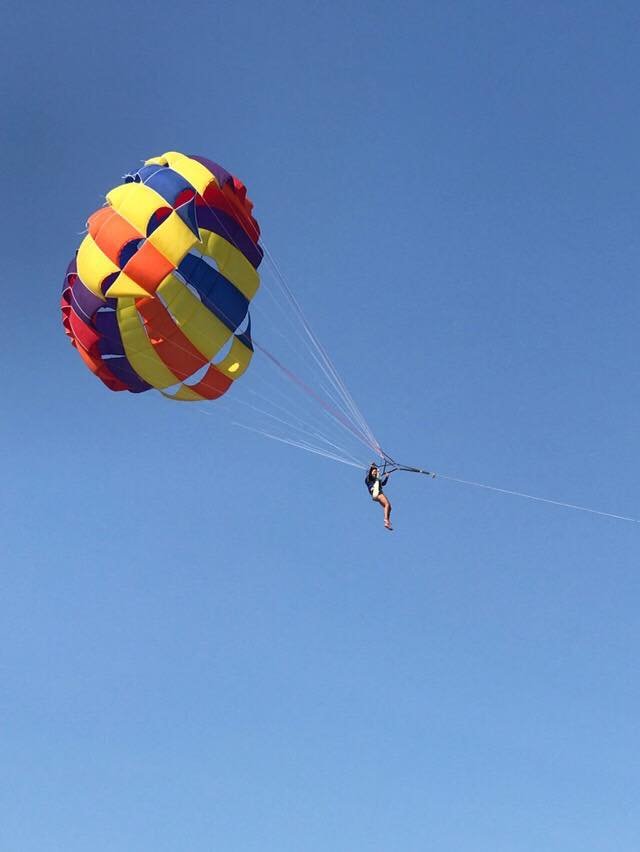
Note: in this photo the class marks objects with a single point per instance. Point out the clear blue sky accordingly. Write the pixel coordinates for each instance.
(207, 641)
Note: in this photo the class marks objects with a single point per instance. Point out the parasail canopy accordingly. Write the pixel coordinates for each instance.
(158, 294)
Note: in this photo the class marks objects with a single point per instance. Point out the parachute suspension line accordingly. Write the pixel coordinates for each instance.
(307, 348)
(314, 395)
(301, 445)
(289, 425)
(305, 427)
(312, 423)
(292, 421)
(312, 430)
(334, 394)
(305, 445)
(228, 406)
(331, 370)
(274, 391)
(295, 421)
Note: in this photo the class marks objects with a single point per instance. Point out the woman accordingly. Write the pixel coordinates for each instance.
(374, 483)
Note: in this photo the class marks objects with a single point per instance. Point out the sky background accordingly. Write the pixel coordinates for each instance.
(207, 640)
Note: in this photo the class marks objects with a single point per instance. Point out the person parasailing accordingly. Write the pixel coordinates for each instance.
(375, 482)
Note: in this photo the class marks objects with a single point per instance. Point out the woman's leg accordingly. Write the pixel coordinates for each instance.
(386, 505)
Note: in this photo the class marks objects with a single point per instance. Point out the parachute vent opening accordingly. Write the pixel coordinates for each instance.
(210, 261)
(224, 350)
(172, 389)
(196, 377)
(244, 325)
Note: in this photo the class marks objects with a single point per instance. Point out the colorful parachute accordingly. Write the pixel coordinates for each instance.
(158, 293)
